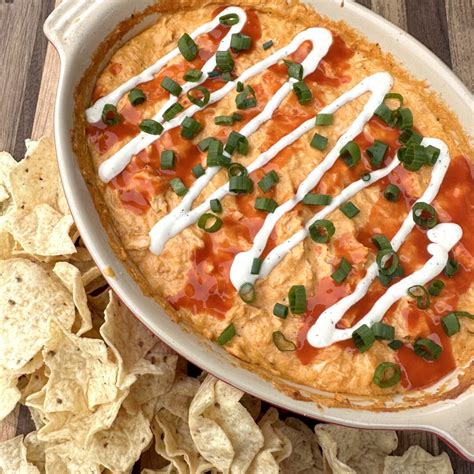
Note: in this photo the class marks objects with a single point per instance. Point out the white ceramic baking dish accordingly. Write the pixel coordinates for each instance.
(76, 28)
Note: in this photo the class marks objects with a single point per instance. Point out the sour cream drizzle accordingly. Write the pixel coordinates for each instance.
(324, 332)
(321, 39)
(94, 113)
(378, 84)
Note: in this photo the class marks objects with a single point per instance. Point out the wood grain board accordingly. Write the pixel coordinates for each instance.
(29, 70)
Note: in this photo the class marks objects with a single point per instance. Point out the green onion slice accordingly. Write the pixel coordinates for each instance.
(280, 310)
(190, 128)
(363, 338)
(450, 324)
(409, 137)
(387, 261)
(385, 114)
(187, 47)
(414, 157)
(110, 115)
(405, 119)
(215, 205)
(435, 288)
(451, 268)
(167, 160)
(297, 299)
(171, 86)
(302, 91)
(383, 331)
(226, 335)
(350, 154)
(381, 242)
(237, 141)
(214, 149)
(265, 204)
(342, 271)
(178, 187)
(229, 19)
(321, 231)
(198, 170)
(192, 75)
(366, 177)
(269, 180)
(349, 209)
(395, 344)
(246, 99)
(247, 293)
(151, 127)
(199, 96)
(240, 185)
(387, 279)
(427, 349)
(319, 142)
(203, 145)
(387, 374)
(376, 153)
(282, 343)
(136, 96)
(421, 296)
(324, 119)
(224, 61)
(394, 96)
(391, 192)
(237, 169)
(424, 215)
(432, 154)
(209, 223)
(295, 70)
(267, 45)
(256, 266)
(240, 42)
(224, 120)
(171, 112)
(237, 117)
(313, 199)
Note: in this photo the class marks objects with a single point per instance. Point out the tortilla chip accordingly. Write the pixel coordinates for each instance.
(252, 405)
(72, 280)
(9, 393)
(305, 454)
(417, 461)
(30, 296)
(221, 427)
(129, 339)
(42, 232)
(13, 457)
(353, 450)
(68, 457)
(35, 450)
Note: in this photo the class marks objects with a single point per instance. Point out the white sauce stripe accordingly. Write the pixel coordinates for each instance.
(182, 216)
(94, 113)
(324, 332)
(321, 40)
(378, 84)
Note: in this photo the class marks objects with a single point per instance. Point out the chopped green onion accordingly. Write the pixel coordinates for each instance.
(195, 99)
(394, 96)
(385, 114)
(237, 141)
(424, 215)
(427, 349)
(405, 119)
(313, 199)
(224, 120)
(265, 204)
(395, 344)
(321, 231)
(136, 96)
(421, 295)
(190, 128)
(391, 192)
(240, 185)
(381, 242)
(432, 154)
(209, 223)
(187, 47)
(110, 115)
(450, 324)
(171, 112)
(247, 293)
(267, 45)
(324, 119)
(414, 157)
(302, 91)
(282, 343)
(218, 160)
(383, 331)
(366, 177)
(349, 209)
(192, 75)
(376, 153)
(214, 151)
(269, 180)
(295, 70)
(350, 154)
(240, 42)
(387, 279)
(246, 99)
(198, 170)
(226, 335)
(387, 374)
(215, 205)
(213, 74)
(151, 126)
(451, 268)
(435, 287)
(229, 19)
(409, 137)
(387, 261)
(297, 299)
(178, 187)
(237, 169)
(226, 76)
(256, 266)
(280, 310)
(319, 142)
(237, 117)
(342, 271)
(224, 61)
(363, 338)
(171, 86)
(167, 160)
(203, 145)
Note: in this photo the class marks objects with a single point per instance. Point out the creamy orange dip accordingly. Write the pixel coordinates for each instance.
(189, 272)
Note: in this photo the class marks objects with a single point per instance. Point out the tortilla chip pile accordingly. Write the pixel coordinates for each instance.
(104, 392)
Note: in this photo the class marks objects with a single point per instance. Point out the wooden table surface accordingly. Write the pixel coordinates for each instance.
(29, 71)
